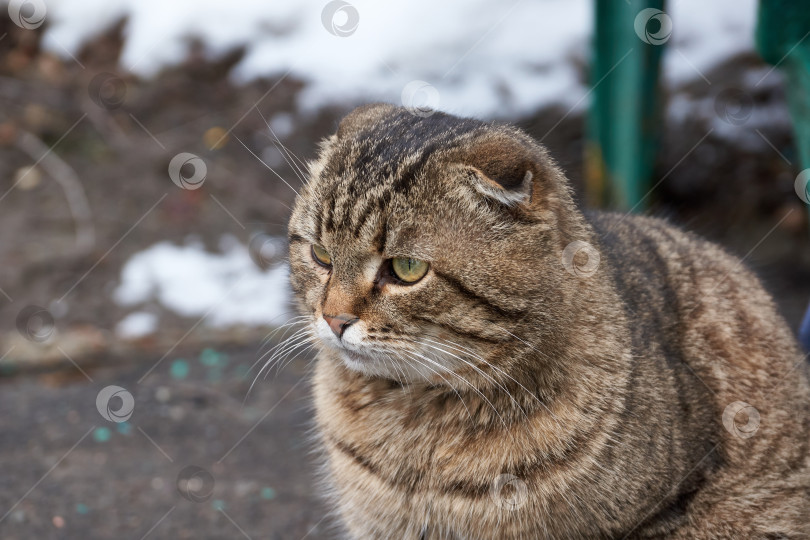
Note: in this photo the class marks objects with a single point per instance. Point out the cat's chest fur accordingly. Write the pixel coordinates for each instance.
(425, 471)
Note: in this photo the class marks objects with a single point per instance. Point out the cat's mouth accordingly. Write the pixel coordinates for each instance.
(348, 347)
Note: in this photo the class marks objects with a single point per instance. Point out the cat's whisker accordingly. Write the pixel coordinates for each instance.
(302, 164)
(268, 167)
(256, 378)
(479, 371)
(283, 363)
(408, 361)
(285, 154)
(398, 370)
(506, 427)
(293, 166)
(279, 345)
(472, 386)
(284, 327)
(288, 157)
(299, 337)
(461, 400)
(538, 350)
(303, 336)
(542, 404)
(491, 365)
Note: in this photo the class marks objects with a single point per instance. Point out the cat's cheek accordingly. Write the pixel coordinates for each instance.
(308, 287)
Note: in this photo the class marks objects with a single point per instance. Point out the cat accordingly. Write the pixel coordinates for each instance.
(494, 362)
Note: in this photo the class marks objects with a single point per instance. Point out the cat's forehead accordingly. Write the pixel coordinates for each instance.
(376, 218)
(385, 172)
(393, 148)
(388, 181)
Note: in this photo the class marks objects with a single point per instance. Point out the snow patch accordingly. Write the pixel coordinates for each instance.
(485, 58)
(226, 288)
(136, 325)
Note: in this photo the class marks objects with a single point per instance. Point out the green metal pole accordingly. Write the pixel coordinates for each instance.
(624, 121)
(783, 39)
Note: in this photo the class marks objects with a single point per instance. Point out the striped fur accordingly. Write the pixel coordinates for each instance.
(505, 396)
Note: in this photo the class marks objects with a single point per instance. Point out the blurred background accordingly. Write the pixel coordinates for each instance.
(149, 156)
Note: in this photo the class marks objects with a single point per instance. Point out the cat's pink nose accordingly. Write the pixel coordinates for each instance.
(339, 323)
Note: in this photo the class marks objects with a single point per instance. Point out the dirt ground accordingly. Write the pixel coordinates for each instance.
(120, 480)
(70, 473)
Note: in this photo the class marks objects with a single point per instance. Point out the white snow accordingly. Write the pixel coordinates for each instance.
(484, 57)
(225, 288)
(704, 33)
(137, 324)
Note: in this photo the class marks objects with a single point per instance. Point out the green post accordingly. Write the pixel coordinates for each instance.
(783, 39)
(624, 122)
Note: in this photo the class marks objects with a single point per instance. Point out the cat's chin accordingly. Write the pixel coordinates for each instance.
(355, 361)
(364, 365)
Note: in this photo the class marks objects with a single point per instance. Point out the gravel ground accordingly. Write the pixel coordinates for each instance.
(70, 473)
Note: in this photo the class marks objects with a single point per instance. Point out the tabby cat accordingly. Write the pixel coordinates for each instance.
(495, 362)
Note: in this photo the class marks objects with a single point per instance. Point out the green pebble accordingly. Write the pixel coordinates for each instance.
(218, 504)
(101, 434)
(179, 369)
(268, 493)
(211, 358)
(124, 428)
(82, 508)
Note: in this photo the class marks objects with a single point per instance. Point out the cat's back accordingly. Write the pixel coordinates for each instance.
(709, 318)
(673, 280)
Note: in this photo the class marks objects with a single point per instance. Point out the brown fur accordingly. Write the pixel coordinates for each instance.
(595, 392)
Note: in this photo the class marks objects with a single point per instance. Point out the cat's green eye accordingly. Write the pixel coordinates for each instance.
(321, 256)
(409, 270)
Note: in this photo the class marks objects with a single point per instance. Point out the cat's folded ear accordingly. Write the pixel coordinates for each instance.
(363, 117)
(505, 167)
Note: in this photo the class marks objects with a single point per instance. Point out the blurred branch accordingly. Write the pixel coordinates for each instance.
(67, 178)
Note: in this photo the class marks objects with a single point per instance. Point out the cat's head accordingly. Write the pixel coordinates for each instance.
(420, 244)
